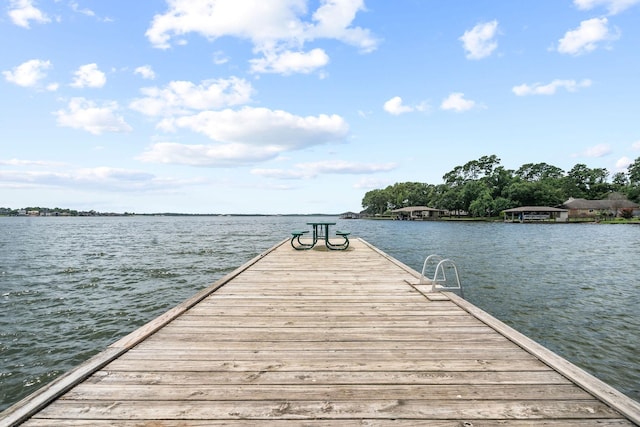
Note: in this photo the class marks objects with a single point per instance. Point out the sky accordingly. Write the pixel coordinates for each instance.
(300, 106)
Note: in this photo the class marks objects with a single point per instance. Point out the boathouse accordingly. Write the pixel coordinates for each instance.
(419, 213)
(350, 215)
(536, 214)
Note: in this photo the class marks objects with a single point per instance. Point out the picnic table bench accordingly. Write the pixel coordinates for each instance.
(320, 232)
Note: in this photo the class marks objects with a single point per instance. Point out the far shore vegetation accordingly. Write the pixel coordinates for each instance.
(482, 189)
(62, 212)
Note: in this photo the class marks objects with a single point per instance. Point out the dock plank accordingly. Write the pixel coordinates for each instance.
(307, 378)
(335, 409)
(324, 338)
(232, 392)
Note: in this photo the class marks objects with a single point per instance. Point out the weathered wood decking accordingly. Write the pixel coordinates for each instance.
(325, 338)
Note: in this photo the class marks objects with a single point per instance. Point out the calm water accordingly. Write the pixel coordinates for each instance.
(69, 287)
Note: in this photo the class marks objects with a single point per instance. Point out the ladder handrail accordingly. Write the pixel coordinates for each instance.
(439, 281)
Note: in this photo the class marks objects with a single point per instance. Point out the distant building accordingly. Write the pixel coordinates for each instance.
(423, 213)
(536, 213)
(583, 208)
(350, 215)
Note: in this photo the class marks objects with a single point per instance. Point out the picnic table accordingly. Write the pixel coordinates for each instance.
(320, 231)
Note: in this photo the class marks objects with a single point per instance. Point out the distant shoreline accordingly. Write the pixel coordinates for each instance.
(100, 214)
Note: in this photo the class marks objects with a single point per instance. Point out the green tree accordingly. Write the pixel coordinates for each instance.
(633, 172)
(548, 193)
(487, 164)
(375, 202)
(501, 203)
(632, 190)
(539, 172)
(536, 193)
(455, 177)
(522, 192)
(584, 182)
(482, 205)
(405, 194)
(472, 190)
(575, 183)
(449, 198)
(499, 180)
(472, 170)
(479, 178)
(598, 183)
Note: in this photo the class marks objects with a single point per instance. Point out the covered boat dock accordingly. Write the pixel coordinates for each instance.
(536, 214)
(419, 213)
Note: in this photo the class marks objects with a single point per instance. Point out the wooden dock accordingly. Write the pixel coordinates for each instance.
(325, 338)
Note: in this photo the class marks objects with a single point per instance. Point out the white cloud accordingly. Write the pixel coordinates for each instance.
(333, 21)
(479, 42)
(586, 37)
(89, 76)
(395, 107)
(104, 173)
(289, 62)
(370, 183)
(88, 116)
(245, 136)
(550, 88)
(207, 155)
(87, 12)
(220, 58)
(457, 103)
(182, 97)
(94, 179)
(18, 162)
(255, 20)
(623, 163)
(599, 150)
(263, 127)
(344, 167)
(29, 73)
(613, 6)
(313, 169)
(23, 11)
(277, 29)
(146, 72)
(76, 8)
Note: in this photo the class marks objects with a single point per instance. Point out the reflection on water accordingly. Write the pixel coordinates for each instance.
(71, 286)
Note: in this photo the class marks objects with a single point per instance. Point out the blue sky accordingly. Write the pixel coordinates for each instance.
(294, 106)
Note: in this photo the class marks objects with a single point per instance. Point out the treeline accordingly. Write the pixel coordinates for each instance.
(483, 188)
(39, 211)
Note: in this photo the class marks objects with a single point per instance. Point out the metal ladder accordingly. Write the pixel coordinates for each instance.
(439, 281)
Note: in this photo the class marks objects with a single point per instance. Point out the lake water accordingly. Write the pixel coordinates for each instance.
(69, 287)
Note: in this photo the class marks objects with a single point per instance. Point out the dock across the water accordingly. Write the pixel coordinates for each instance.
(321, 337)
